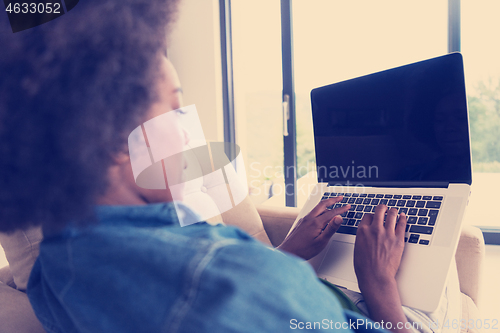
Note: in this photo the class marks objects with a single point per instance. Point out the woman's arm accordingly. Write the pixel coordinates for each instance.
(377, 256)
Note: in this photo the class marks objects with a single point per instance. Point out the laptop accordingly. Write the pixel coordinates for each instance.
(399, 137)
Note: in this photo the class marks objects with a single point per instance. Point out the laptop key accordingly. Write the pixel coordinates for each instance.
(432, 220)
(375, 201)
(422, 212)
(347, 194)
(420, 229)
(367, 201)
(343, 229)
(433, 212)
(351, 201)
(413, 238)
(355, 195)
(344, 200)
(379, 196)
(363, 195)
(351, 222)
(417, 197)
(401, 203)
(373, 208)
(367, 209)
(420, 204)
(427, 197)
(403, 210)
(437, 197)
(359, 200)
(422, 220)
(433, 204)
(406, 197)
(424, 242)
(358, 215)
(412, 220)
(410, 203)
(388, 196)
(413, 211)
(383, 201)
(353, 207)
(397, 196)
(391, 203)
(351, 215)
(359, 208)
(371, 195)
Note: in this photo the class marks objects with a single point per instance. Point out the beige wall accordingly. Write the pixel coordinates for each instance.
(194, 49)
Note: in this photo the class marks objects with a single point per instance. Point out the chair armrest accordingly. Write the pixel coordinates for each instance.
(277, 221)
(469, 258)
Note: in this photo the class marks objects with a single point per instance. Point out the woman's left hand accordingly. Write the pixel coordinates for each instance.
(314, 230)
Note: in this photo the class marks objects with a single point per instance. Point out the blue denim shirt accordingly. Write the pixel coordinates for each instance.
(137, 270)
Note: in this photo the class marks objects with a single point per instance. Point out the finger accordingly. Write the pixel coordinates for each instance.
(321, 206)
(366, 220)
(401, 226)
(332, 227)
(390, 221)
(328, 215)
(341, 210)
(378, 218)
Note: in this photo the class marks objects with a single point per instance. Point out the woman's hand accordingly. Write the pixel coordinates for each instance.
(314, 230)
(377, 256)
(378, 247)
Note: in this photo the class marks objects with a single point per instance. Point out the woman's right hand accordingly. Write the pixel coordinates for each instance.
(377, 255)
(379, 246)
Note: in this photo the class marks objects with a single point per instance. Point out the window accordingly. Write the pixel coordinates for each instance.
(256, 39)
(480, 26)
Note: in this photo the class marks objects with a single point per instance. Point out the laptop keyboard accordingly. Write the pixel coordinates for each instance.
(421, 212)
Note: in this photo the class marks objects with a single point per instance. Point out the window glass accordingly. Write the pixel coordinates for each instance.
(337, 40)
(481, 51)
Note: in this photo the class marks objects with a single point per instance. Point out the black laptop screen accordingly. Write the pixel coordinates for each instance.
(405, 124)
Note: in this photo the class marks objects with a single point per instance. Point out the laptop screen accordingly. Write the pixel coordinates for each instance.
(407, 124)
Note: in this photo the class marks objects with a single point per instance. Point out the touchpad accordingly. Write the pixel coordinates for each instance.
(338, 261)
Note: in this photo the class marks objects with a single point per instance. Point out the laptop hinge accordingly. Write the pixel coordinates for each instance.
(391, 184)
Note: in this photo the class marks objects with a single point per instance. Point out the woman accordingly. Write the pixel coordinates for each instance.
(114, 258)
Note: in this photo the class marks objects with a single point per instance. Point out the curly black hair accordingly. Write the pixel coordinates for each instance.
(71, 91)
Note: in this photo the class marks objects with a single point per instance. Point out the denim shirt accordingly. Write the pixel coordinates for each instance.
(137, 270)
